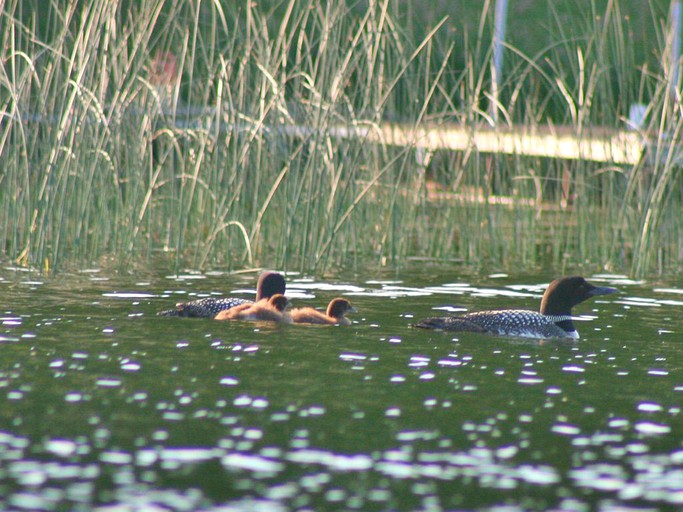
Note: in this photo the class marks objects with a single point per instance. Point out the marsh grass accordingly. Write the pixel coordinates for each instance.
(164, 130)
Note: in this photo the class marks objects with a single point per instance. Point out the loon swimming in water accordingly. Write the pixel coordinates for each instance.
(553, 321)
(273, 309)
(269, 284)
(335, 314)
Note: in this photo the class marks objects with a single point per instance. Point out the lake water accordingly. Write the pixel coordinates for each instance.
(103, 404)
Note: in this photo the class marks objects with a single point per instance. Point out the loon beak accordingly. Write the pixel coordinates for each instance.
(602, 290)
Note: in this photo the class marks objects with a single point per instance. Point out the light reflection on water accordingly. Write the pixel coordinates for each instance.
(103, 403)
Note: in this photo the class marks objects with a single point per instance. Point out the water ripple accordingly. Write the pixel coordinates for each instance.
(333, 461)
(254, 463)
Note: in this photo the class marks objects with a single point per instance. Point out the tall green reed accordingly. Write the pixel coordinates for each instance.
(209, 135)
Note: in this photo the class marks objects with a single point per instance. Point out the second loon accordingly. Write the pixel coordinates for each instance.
(269, 284)
(553, 321)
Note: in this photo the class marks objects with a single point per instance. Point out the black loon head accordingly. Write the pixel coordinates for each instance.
(269, 284)
(566, 292)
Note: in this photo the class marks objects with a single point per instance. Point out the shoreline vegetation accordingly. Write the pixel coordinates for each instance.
(137, 132)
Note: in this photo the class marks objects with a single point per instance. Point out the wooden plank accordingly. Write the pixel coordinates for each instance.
(618, 147)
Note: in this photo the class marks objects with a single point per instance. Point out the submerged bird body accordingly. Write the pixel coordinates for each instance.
(205, 308)
(553, 321)
(269, 284)
(504, 322)
(273, 309)
(336, 310)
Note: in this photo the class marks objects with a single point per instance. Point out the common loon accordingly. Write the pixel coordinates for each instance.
(336, 310)
(273, 309)
(553, 321)
(269, 284)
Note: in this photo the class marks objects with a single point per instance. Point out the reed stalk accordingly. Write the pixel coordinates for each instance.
(209, 135)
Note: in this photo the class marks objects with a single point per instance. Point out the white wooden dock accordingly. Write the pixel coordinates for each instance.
(621, 147)
(617, 147)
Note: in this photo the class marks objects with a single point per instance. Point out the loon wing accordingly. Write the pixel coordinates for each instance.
(208, 307)
(449, 323)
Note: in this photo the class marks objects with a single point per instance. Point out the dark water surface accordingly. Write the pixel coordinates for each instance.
(103, 404)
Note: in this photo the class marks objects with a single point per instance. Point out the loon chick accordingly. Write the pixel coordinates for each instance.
(336, 310)
(269, 284)
(273, 309)
(553, 321)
